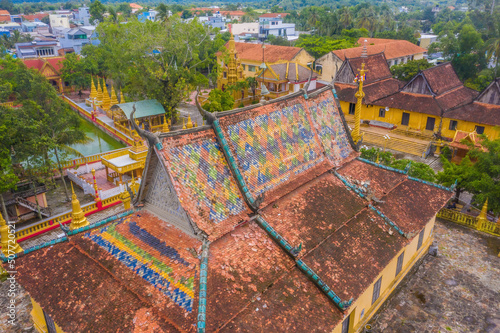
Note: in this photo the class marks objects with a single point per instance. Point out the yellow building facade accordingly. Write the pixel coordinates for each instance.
(362, 310)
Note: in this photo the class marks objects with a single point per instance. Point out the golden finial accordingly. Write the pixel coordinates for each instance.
(7, 246)
(78, 218)
(183, 123)
(99, 91)
(165, 124)
(105, 96)
(483, 216)
(122, 98)
(114, 100)
(93, 91)
(189, 123)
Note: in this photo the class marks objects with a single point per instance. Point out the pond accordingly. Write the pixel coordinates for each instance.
(103, 142)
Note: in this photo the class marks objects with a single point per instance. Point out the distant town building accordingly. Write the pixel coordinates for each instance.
(150, 15)
(11, 26)
(395, 51)
(37, 49)
(82, 16)
(4, 16)
(34, 17)
(59, 20)
(135, 7)
(427, 39)
(74, 39)
(272, 24)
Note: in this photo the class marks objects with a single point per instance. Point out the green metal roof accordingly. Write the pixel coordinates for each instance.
(145, 108)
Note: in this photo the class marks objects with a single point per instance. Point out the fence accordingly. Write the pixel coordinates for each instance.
(469, 221)
(52, 222)
(87, 188)
(89, 159)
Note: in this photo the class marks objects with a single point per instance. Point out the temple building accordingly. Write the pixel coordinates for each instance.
(263, 220)
(434, 102)
(51, 69)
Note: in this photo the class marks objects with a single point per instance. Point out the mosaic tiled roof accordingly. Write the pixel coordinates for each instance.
(205, 186)
(134, 271)
(328, 124)
(273, 144)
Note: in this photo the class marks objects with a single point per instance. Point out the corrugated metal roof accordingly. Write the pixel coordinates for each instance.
(145, 108)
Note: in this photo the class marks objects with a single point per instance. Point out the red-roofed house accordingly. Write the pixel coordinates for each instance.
(252, 55)
(34, 17)
(51, 69)
(4, 16)
(395, 51)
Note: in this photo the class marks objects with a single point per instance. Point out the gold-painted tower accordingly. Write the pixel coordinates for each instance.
(114, 99)
(9, 244)
(232, 71)
(356, 135)
(122, 98)
(78, 218)
(93, 91)
(99, 93)
(106, 101)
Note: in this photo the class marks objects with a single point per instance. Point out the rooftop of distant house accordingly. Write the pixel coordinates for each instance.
(390, 47)
(274, 15)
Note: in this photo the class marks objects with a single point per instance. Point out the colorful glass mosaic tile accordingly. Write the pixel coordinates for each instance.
(328, 124)
(200, 168)
(149, 257)
(272, 147)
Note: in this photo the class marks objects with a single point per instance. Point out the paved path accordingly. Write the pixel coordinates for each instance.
(457, 291)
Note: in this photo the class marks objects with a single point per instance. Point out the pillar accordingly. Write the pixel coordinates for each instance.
(8, 239)
(78, 218)
(356, 135)
(97, 198)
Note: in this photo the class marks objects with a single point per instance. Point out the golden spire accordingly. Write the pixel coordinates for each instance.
(125, 197)
(189, 123)
(114, 100)
(93, 91)
(482, 218)
(8, 248)
(78, 218)
(356, 135)
(105, 96)
(99, 91)
(122, 98)
(183, 123)
(165, 124)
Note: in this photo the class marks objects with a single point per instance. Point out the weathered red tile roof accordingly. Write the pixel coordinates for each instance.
(274, 15)
(33, 17)
(291, 304)
(273, 53)
(38, 63)
(373, 91)
(375, 66)
(482, 113)
(292, 71)
(352, 258)
(392, 50)
(307, 214)
(456, 97)
(471, 137)
(242, 264)
(4, 16)
(404, 204)
(380, 181)
(103, 294)
(442, 78)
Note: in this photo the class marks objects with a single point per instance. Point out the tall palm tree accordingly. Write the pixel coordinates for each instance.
(346, 18)
(162, 10)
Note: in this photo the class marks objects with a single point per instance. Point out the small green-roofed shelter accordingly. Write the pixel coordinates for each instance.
(148, 111)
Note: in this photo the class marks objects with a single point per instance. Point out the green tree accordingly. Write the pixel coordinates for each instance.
(156, 60)
(318, 46)
(8, 179)
(406, 71)
(462, 174)
(97, 10)
(76, 72)
(219, 100)
(162, 12)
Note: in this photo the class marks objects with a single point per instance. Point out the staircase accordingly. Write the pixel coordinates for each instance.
(425, 135)
(45, 211)
(396, 143)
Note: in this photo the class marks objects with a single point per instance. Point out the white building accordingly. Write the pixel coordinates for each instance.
(59, 20)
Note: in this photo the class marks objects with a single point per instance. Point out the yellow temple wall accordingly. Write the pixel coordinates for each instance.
(418, 121)
(490, 131)
(39, 319)
(389, 281)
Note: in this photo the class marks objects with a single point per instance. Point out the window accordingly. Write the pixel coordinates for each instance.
(352, 108)
(251, 68)
(243, 67)
(345, 325)
(399, 266)
(479, 129)
(376, 290)
(405, 120)
(381, 113)
(225, 75)
(420, 239)
(362, 314)
(453, 125)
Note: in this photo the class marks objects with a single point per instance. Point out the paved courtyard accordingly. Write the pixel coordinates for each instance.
(457, 291)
